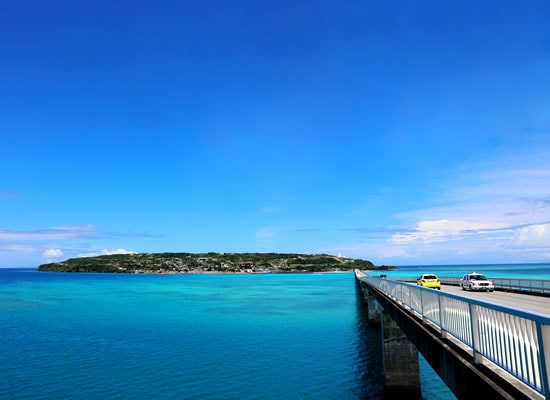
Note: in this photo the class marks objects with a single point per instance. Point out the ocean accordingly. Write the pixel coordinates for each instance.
(262, 336)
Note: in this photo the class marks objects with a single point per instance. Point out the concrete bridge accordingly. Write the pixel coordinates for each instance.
(480, 349)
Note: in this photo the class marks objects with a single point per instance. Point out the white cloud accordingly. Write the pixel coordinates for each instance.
(106, 253)
(117, 251)
(534, 236)
(52, 253)
(484, 212)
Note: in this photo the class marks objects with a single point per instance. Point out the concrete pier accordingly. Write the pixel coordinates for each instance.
(401, 369)
(400, 356)
(373, 308)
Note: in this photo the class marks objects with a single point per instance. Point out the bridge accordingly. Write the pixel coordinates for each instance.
(479, 348)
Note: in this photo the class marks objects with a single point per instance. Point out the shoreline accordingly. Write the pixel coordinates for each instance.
(197, 272)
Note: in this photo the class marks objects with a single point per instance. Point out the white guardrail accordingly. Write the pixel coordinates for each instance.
(533, 286)
(514, 340)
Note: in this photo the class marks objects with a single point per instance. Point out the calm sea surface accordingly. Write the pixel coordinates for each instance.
(269, 336)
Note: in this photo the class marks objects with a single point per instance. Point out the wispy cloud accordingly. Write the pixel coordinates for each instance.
(17, 247)
(486, 210)
(442, 230)
(490, 211)
(55, 233)
(267, 209)
(52, 244)
(131, 235)
(6, 193)
(266, 233)
(68, 232)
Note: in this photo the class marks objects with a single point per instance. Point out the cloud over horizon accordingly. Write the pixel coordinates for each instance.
(106, 252)
(57, 242)
(486, 209)
(52, 253)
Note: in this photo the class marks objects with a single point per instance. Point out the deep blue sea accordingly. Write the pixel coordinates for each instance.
(265, 336)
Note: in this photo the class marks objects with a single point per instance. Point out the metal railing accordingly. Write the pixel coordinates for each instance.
(523, 285)
(533, 286)
(514, 340)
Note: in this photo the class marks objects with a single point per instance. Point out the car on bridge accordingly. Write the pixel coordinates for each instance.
(476, 282)
(429, 280)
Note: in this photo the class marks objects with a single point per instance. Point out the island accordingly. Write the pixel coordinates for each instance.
(185, 263)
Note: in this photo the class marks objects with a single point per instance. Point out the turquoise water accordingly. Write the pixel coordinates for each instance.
(104, 336)
(270, 336)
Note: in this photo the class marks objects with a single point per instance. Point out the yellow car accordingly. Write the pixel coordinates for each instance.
(429, 280)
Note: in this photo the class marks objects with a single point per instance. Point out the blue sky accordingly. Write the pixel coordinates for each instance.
(394, 131)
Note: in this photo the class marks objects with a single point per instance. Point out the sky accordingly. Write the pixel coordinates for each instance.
(400, 132)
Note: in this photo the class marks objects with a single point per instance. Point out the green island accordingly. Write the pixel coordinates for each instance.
(182, 263)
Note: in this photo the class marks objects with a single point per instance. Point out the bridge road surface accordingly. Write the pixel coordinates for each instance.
(537, 304)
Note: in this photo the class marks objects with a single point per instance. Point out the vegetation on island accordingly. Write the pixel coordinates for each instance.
(210, 263)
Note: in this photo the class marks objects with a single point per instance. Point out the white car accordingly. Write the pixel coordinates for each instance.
(477, 282)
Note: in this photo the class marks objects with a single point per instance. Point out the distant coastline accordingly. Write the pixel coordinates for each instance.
(211, 263)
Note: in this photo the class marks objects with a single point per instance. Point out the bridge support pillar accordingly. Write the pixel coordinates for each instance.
(401, 369)
(373, 309)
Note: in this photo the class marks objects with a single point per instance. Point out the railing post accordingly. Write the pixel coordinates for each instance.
(543, 332)
(478, 359)
(422, 306)
(443, 331)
